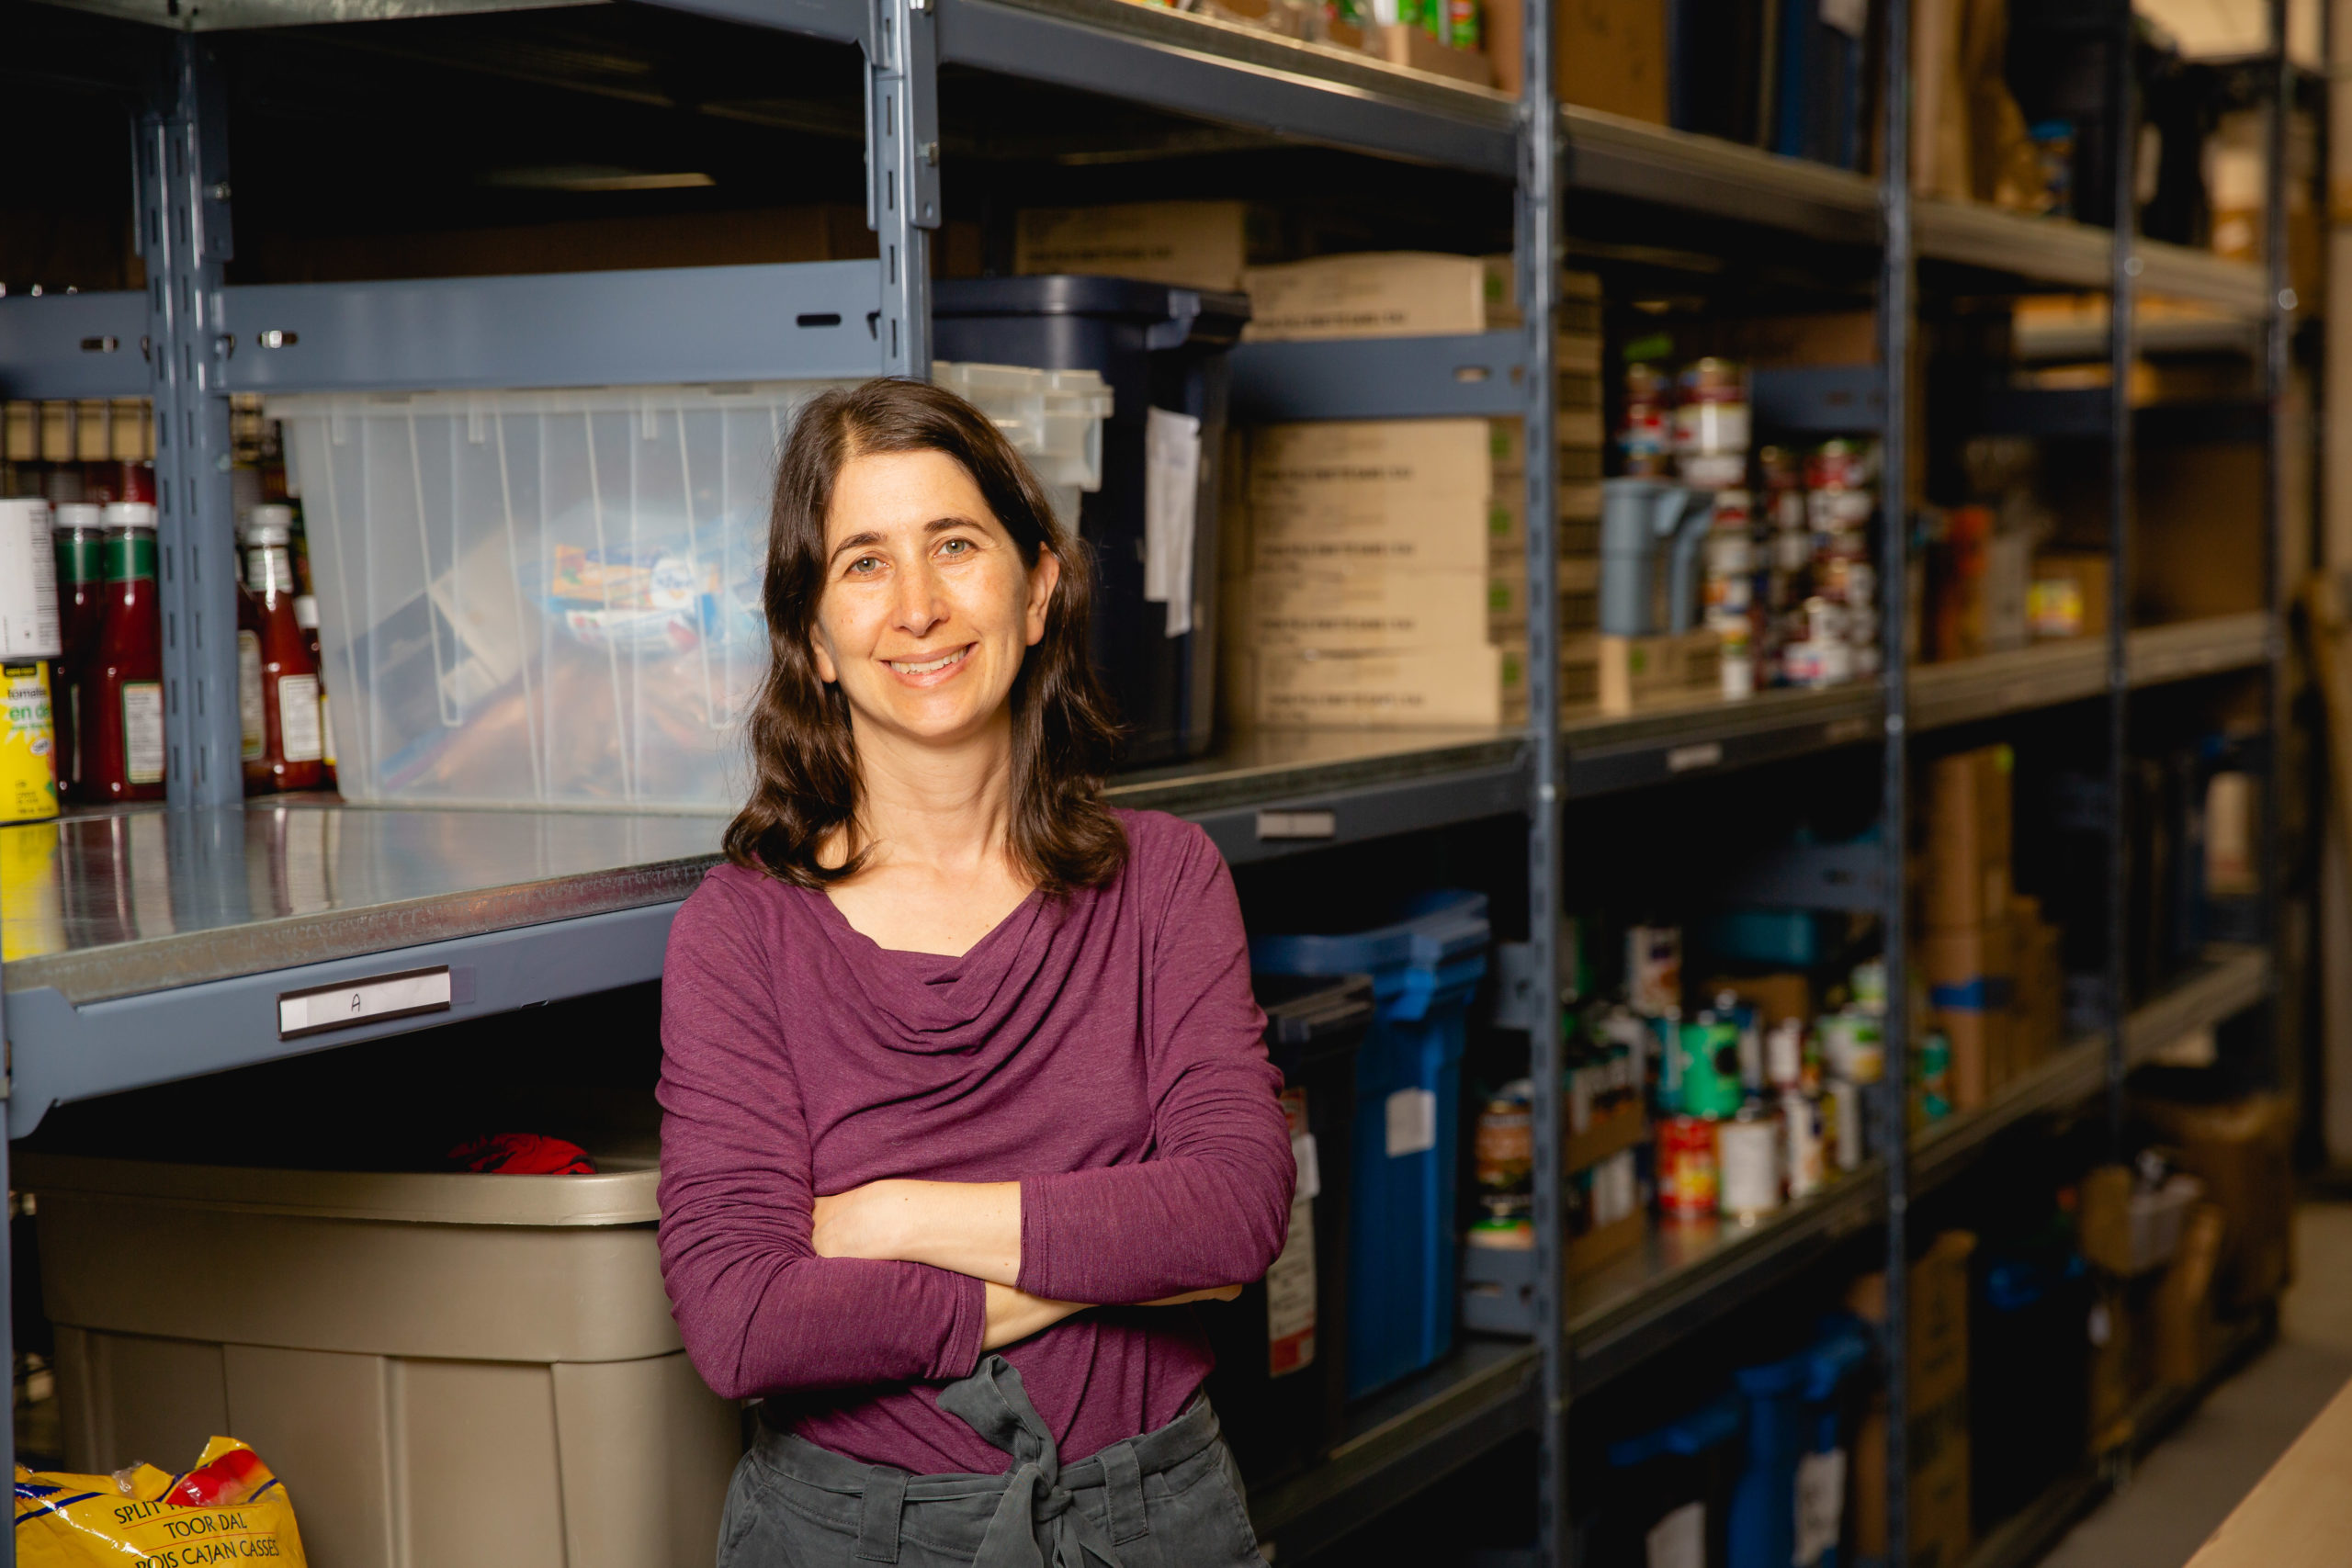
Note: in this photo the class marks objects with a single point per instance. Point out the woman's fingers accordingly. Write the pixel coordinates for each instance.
(1217, 1293)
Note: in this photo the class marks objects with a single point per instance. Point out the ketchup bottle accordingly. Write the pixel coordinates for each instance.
(275, 648)
(79, 531)
(122, 686)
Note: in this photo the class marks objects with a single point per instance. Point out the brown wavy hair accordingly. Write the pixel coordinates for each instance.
(803, 751)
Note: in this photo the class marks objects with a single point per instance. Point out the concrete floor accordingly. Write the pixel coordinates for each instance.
(2188, 1486)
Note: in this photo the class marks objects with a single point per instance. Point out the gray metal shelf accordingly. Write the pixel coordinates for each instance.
(1963, 691)
(2075, 1073)
(1686, 1275)
(1707, 735)
(2231, 979)
(1402, 1440)
(173, 936)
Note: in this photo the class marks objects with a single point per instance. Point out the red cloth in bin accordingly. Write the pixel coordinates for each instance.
(523, 1154)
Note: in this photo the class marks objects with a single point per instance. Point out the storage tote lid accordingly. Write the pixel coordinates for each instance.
(1183, 315)
(1438, 928)
(621, 1193)
(1709, 1426)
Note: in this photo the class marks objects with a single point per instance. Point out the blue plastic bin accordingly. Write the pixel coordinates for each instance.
(1424, 966)
(1654, 1483)
(1794, 1409)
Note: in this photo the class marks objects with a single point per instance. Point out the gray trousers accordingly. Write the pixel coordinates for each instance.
(1167, 1499)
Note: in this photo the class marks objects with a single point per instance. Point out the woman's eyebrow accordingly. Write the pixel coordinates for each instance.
(856, 542)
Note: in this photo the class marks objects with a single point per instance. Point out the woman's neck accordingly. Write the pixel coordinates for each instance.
(947, 807)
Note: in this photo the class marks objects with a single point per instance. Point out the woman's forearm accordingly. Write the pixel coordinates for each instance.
(964, 1228)
(1014, 1315)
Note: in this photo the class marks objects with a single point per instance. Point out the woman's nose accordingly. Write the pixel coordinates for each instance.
(920, 605)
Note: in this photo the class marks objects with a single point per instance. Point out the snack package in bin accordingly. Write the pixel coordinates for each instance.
(229, 1508)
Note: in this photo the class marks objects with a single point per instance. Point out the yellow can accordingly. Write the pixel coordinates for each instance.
(32, 904)
(27, 743)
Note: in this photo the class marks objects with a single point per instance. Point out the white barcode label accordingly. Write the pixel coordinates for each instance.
(1310, 1169)
(1680, 1539)
(251, 721)
(143, 731)
(297, 717)
(1821, 1506)
(1412, 1123)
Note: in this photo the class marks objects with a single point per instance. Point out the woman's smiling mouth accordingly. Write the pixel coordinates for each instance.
(930, 666)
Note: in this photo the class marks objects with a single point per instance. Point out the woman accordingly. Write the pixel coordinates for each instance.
(963, 1084)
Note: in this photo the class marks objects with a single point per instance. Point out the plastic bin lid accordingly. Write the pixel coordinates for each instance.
(1437, 927)
(621, 1193)
(1303, 1009)
(1813, 1372)
(1192, 315)
(1709, 1426)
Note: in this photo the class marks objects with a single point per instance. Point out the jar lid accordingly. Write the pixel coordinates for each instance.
(78, 515)
(131, 515)
(269, 524)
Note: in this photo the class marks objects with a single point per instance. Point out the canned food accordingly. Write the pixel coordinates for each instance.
(1841, 464)
(1748, 1160)
(1503, 1147)
(1846, 1124)
(1687, 1172)
(1713, 380)
(1803, 1156)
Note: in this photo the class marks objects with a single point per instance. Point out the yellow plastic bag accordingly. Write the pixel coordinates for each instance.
(229, 1509)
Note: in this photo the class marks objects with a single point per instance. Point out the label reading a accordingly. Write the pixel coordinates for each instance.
(143, 731)
(363, 1001)
(1412, 1123)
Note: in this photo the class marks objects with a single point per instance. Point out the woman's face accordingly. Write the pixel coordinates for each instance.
(927, 609)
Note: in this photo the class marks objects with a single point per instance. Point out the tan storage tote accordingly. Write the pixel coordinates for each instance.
(448, 1369)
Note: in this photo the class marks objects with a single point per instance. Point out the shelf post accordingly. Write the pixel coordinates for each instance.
(7, 1268)
(1896, 305)
(1541, 135)
(183, 239)
(902, 174)
(2122, 459)
(2279, 341)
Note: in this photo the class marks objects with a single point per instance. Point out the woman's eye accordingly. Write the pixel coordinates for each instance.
(952, 548)
(866, 565)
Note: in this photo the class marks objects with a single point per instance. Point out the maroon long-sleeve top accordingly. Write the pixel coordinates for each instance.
(1102, 1049)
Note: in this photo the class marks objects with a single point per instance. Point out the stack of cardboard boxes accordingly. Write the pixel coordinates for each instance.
(1376, 569)
(1940, 1527)
(1991, 962)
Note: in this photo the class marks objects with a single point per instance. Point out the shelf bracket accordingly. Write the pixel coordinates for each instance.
(902, 174)
(183, 237)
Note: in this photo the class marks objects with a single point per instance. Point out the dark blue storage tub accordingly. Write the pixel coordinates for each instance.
(1158, 348)
(1667, 1494)
(1425, 967)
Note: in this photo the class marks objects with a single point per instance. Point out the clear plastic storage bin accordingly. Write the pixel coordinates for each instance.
(552, 598)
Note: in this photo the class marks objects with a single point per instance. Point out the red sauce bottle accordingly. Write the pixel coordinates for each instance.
(79, 532)
(275, 664)
(123, 688)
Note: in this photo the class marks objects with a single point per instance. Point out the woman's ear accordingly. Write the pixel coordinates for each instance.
(821, 658)
(1043, 577)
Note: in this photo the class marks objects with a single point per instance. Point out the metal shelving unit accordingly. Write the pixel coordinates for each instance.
(166, 965)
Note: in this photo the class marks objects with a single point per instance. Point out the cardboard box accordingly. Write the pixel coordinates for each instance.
(1981, 1054)
(1432, 457)
(1191, 244)
(1343, 607)
(1605, 1244)
(2068, 596)
(1938, 1393)
(1636, 671)
(1970, 966)
(1405, 44)
(2186, 1338)
(1967, 826)
(1611, 53)
(1380, 294)
(1628, 1128)
(2122, 1358)
(2242, 1150)
(2198, 548)
(1310, 688)
(1778, 996)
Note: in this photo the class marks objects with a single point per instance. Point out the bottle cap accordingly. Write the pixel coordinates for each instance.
(269, 525)
(130, 514)
(78, 515)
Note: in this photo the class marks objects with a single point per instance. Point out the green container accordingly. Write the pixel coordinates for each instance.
(1710, 1084)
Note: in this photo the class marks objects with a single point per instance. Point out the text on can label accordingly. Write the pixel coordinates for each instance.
(1274, 825)
(363, 1001)
(1705, 754)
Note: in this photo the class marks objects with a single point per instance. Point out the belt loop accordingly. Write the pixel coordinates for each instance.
(1123, 1490)
(877, 1527)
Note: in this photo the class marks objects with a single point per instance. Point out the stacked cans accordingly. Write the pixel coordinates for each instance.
(1757, 1100)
